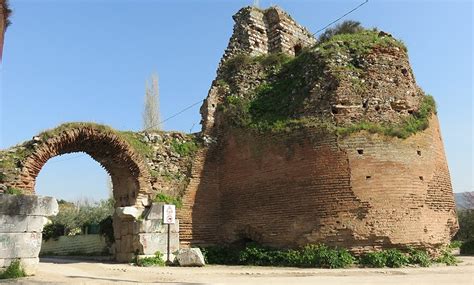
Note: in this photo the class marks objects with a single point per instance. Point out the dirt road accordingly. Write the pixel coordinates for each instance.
(64, 271)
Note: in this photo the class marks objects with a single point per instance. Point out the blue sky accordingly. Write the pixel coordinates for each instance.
(68, 60)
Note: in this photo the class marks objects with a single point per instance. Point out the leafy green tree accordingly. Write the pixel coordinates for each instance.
(73, 217)
(466, 218)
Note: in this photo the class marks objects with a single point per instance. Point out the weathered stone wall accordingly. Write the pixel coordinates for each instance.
(311, 184)
(77, 245)
(20, 165)
(140, 165)
(201, 213)
(21, 222)
(256, 32)
(361, 192)
(259, 32)
(384, 90)
(138, 230)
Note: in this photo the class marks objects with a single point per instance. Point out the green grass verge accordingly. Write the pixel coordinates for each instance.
(319, 256)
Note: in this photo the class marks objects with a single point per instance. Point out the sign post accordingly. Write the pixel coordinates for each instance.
(169, 217)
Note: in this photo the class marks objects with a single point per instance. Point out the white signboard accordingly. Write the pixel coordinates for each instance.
(169, 214)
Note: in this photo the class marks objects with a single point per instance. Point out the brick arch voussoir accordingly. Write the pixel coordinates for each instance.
(127, 168)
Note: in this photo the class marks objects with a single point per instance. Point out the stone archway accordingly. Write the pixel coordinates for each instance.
(115, 151)
(130, 176)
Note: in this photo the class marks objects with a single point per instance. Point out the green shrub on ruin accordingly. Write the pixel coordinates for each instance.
(14, 270)
(253, 254)
(325, 257)
(156, 260)
(396, 258)
(13, 191)
(376, 259)
(276, 104)
(447, 258)
(416, 122)
(419, 257)
(167, 199)
(185, 148)
(357, 44)
(319, 256)
(455, 244)
(273, 105)
(346, 27)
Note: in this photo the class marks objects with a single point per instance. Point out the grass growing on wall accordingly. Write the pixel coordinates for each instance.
(14, 159)
(276, 104)
(134, 140)
(160, 197)
(13, 191)
(186, 148)
(414, 123)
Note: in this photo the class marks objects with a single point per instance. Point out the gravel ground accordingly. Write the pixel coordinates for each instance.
(69, 271)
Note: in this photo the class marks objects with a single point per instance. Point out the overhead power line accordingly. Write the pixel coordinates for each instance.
(256, 3)
(175, 114)
(338, 19)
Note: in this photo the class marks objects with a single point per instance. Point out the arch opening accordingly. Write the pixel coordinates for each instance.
(84, 223)
(125, 167)
(73, 177)
(116, 152)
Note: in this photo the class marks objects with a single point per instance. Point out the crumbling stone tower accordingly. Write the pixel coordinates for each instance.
(258, 32)
(337, 146)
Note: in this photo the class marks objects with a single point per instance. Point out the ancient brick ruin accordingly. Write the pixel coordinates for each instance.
(310, 183)
(302, 142)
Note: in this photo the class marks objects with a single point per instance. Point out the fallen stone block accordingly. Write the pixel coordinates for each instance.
(190, 257)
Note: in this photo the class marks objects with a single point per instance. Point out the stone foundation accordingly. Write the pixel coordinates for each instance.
(143, 236)
(22, 218)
